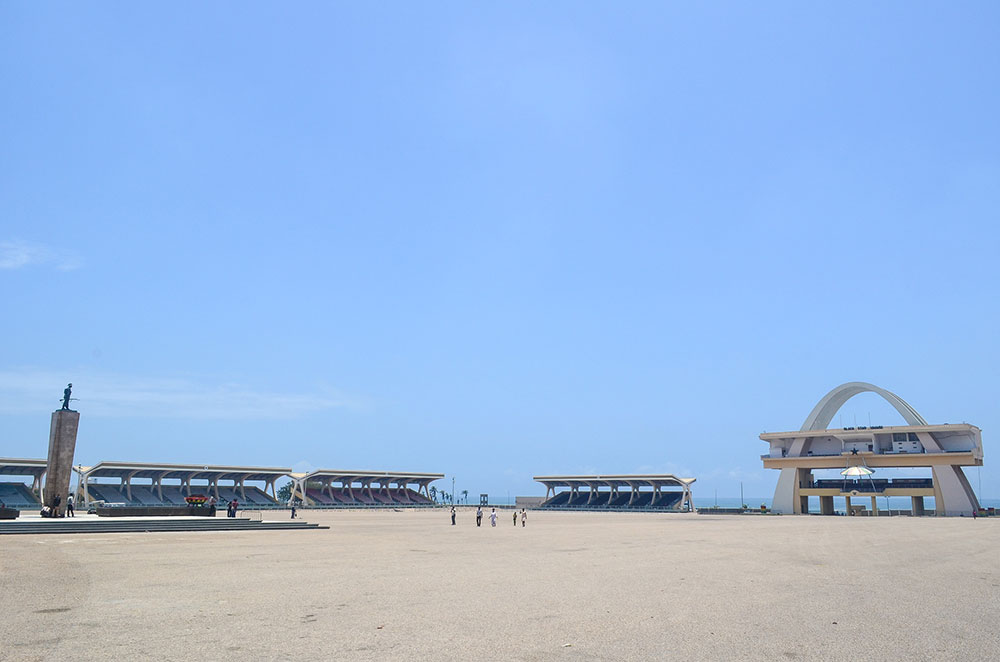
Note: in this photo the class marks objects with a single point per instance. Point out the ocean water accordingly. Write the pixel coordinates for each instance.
(730, 502)
(894, 503)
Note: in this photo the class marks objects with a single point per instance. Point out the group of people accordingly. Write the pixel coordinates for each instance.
(53, 510)
(231, 508)
(493, 516)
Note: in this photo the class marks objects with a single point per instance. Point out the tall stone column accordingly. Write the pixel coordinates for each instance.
(62, 446)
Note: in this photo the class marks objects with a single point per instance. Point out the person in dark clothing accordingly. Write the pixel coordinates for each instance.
(293, 510)
(453, 515)
(479, 516)
(515, 518)
(55, 505)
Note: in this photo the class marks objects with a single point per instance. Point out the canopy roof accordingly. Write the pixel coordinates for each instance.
(618, 480)
(340, 475)
(868, 431)
(22, 467)
(184, 471)
(857, 471)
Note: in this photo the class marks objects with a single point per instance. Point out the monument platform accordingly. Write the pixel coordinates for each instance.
(38, 525)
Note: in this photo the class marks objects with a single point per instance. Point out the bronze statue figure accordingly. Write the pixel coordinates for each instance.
(66, 398)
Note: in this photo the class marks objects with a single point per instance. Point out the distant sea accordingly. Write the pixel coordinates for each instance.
(895, 503)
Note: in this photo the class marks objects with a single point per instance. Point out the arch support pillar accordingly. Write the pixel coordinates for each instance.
(953, 494)
(788, 499)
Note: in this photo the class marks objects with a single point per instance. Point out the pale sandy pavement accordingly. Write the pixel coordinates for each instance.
(406, 585)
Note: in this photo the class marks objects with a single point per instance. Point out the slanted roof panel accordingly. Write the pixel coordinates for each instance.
(12, 466)
(343, 475)
(616, 479)
(109, 469)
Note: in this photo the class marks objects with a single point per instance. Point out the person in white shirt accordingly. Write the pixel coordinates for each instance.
(493, 517)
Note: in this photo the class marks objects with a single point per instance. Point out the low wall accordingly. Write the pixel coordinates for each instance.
(154, 511)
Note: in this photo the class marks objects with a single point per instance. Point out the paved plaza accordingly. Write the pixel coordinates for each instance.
(382, 585)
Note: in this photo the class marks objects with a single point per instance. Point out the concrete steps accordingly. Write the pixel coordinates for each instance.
(148, 526)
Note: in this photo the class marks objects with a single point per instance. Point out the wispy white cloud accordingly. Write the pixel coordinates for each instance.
(16, 254)
(29, 390)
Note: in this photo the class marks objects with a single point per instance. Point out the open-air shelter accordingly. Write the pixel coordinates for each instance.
(22, 467)
(595, 487)
(125, 472)
(353, 483)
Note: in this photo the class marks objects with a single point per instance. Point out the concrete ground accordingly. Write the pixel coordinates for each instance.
(569, 586)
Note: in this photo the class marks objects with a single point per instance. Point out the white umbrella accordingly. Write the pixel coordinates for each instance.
(857, 471)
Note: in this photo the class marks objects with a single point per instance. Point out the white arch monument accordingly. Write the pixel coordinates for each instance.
(945, 449)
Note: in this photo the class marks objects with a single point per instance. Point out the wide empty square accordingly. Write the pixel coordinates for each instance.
(568, 586)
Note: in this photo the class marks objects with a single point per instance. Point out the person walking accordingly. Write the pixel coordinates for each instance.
(293, 510)
(69, 506)
(479, 516)
(515, 517)
(524, 518)
(453, 515)
(493, 517)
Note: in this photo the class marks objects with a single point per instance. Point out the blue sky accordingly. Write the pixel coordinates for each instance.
(494, 241)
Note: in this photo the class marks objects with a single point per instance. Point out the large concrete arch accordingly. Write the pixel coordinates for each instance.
(953, 495)
(821, 415)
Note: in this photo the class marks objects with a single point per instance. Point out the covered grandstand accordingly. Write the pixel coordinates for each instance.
(662, 492)
(17, 494)
(138, 483)
(333, 488)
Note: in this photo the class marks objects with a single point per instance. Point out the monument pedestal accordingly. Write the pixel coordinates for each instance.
(62, 446)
